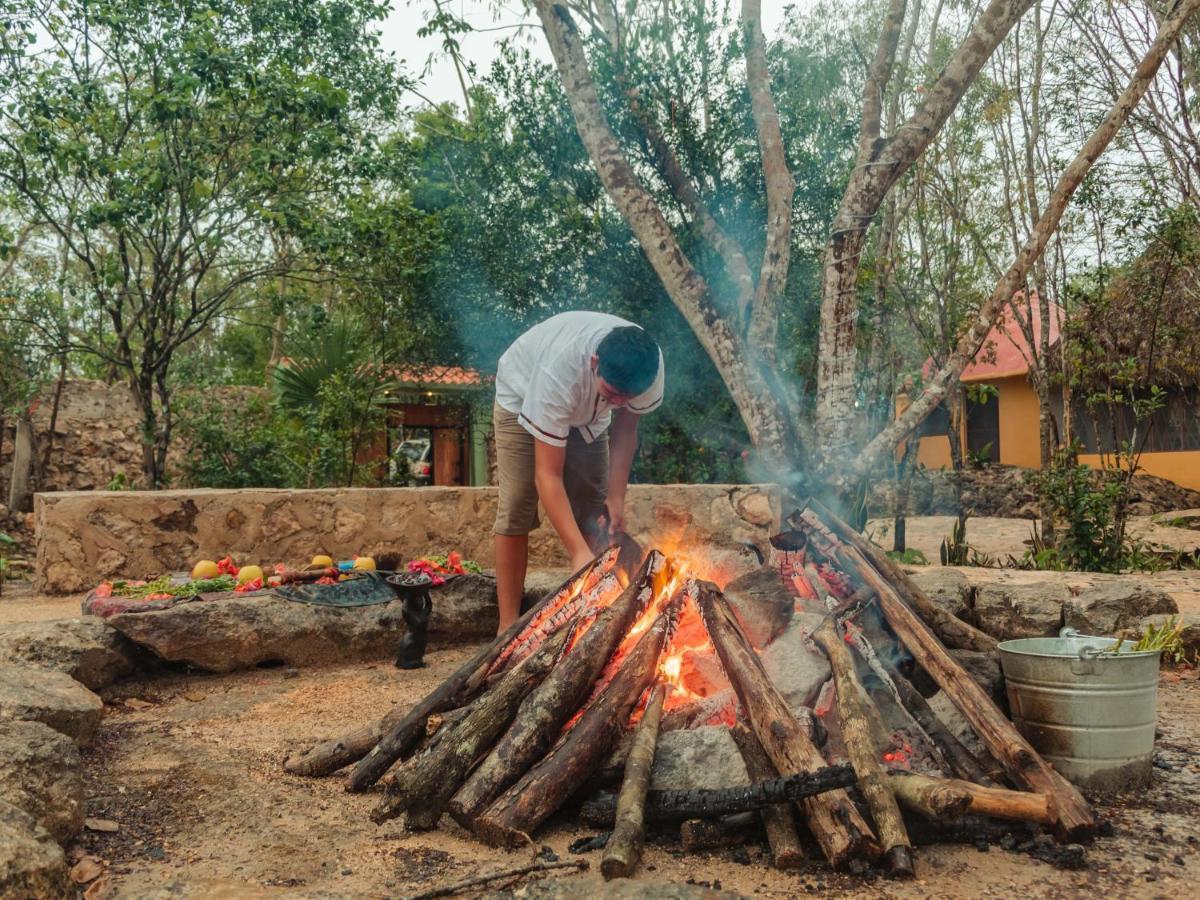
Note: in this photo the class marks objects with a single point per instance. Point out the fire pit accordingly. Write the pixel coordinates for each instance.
(582, 686)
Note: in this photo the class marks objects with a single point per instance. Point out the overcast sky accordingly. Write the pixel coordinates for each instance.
(399, 35)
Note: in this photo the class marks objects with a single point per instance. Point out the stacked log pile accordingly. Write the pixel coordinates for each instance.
(575, 692)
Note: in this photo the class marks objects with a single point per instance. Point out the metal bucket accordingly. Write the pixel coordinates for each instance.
(1089, 712)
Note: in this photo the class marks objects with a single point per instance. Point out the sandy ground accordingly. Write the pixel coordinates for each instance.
(204, 809)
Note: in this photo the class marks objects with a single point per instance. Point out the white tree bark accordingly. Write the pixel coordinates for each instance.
(971, 342)
(880, 162)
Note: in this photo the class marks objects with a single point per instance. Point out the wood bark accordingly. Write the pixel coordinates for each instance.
(423, 786)
(698, 835)
(951, 798)
(1073, 818)
(763, 414)
(827, 529)
(879, 163)
(972, 340)
(854, 716)
(624, 847)
(780, 825)
(402, 735)
(832, 818)
(674, 806)
(517, 813)
(545, 711)
(958, 757)
(329, 756)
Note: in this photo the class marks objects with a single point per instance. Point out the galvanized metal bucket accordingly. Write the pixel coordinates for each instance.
(1089, 711)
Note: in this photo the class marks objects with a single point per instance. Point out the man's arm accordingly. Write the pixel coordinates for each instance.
(622, 445)
(548, 462)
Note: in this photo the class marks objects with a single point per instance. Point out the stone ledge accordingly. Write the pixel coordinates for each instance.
(84, 537)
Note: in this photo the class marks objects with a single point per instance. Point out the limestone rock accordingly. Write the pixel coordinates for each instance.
(762, 603)
(796, 668)
(32, 866)
(957, 724)
(87, 649)
(1007, 610)
(43, 695)
(1111, 606)
(41, 775)
(985, 668)
(236, 633)
(947, 587)
(690, 758)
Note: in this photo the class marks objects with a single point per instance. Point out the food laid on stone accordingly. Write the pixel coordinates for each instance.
(439, 568)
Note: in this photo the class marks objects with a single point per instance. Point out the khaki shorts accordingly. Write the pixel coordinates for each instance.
(585, 477)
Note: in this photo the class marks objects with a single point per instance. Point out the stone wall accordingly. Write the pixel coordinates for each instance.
(85, 537)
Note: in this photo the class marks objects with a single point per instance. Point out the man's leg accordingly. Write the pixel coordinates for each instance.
(512, 559)
(516, 512)
(586, 480)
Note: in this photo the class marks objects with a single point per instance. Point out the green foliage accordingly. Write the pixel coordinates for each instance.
(119, 482)
(910, 556)
(236, 442)
(981, 458)
(1167, 637)
(955, 551)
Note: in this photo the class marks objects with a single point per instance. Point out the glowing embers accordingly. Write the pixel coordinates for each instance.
(689, 663)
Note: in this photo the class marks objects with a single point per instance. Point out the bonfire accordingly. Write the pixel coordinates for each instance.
(571, 700)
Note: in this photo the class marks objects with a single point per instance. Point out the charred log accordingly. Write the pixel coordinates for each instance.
(523, 807)
(402, 735)
(624, 848)
(832, 818)
(423, 786)
(853, 714)
(778, 821)
(708, 834)
(675, 806)
(545, 711)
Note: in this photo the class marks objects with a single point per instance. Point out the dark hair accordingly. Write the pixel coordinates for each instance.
(628, 360)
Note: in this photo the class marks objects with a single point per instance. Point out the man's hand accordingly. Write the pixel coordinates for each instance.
(615, 511)
(580, 559)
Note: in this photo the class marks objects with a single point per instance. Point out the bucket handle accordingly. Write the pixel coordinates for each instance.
(1090, 657)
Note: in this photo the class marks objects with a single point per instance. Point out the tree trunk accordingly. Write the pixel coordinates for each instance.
(48, 450)
(544, 712)
(518, 812)
(780, 825)
(20, 491)
(764, 415)
(972, 340)
(879, 164)
(624, 847)
(832, 818)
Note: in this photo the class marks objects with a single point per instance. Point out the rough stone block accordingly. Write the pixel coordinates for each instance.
(32, 865)
(705, 757)
(796, 668)
(87, 649)
(41, 775)
(1008, 610)
(947, 587)
(43, 695)
(1112, 606)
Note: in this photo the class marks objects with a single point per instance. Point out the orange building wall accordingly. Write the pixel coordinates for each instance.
(1018, 422)
(1181, 467)
(934, 452)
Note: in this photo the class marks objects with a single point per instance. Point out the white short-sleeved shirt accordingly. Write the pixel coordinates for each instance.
(546, 378)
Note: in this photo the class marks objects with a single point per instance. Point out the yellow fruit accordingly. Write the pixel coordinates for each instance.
(249, 573)
(205, 569)
(364, 562)
(323, 562)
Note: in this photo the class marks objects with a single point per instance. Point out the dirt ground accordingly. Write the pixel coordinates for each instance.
(194, 782)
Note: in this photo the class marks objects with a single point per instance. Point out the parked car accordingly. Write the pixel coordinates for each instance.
(413, 459)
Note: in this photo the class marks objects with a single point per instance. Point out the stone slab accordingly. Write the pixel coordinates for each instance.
(85, 648)
(32, 865)
(84, 537)
(705, 757)
(43, 695)
(42, 776)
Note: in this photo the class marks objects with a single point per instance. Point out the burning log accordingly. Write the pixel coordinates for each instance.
(864, 752)
(952, 631)
(674, 806)
(778, 821)
(959, 758)
(524, 806)
(832, 818)
(545, 711)
(1073, 818)
(424, 785)
(700, 711)
(624, 848)
(400, 736)
(947, 799)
